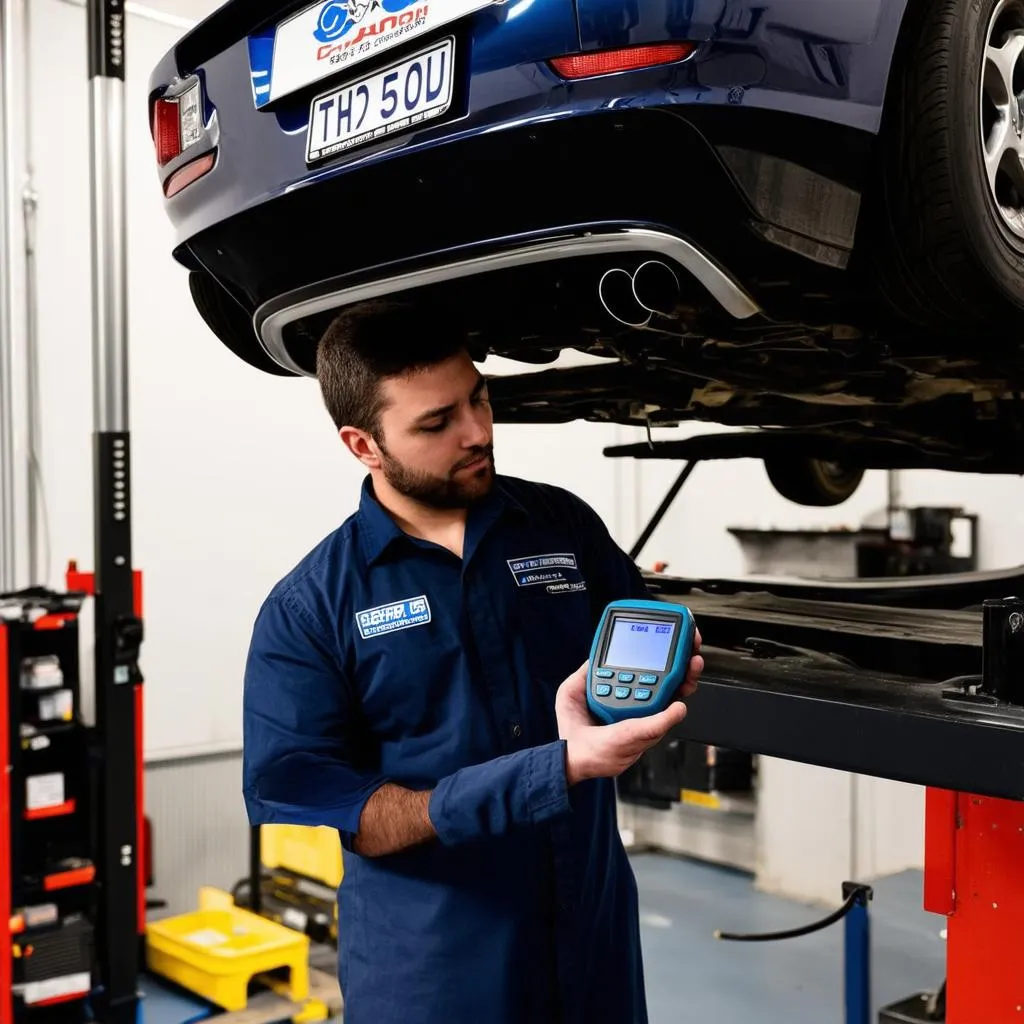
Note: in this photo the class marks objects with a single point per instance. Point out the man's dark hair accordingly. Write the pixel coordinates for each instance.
(376, 339)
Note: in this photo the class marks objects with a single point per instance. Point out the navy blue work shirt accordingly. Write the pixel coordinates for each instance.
(384, 658)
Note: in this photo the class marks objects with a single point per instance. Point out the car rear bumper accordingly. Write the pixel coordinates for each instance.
(749, 58)
(585, 172)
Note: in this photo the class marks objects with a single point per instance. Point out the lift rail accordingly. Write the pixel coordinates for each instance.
(793, 679)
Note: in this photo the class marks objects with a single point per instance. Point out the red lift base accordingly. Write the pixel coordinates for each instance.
(974, 851)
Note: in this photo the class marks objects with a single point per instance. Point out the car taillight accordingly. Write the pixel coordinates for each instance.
(166, 131)
(630, 58)
(177, 124)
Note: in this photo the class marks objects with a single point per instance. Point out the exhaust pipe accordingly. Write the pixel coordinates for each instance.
(634, 298)
(656, 287)
(615, 290)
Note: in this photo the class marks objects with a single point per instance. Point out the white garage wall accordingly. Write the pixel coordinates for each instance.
(997, 500)
(693, 537)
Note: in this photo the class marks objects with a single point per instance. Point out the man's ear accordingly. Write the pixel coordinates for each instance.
(361, 445)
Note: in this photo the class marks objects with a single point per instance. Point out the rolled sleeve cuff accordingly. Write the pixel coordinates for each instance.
(341, 809)
(488, 800)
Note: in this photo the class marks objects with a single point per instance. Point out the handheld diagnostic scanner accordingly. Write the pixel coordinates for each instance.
(639, 658)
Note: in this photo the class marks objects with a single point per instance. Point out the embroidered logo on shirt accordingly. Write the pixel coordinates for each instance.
(528, 572)
(566, 588)
(387, 618)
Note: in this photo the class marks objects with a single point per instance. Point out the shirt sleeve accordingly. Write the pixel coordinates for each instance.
(304, 743)
(301, 747)
(484, 800)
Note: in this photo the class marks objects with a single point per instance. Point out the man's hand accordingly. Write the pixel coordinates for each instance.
(604, 751)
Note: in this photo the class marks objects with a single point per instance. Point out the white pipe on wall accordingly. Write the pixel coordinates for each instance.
(8, 534)
(38, 571)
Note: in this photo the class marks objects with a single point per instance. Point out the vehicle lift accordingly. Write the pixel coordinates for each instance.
(919, 680)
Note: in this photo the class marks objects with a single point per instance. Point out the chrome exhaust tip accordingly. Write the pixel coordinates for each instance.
(618, 296)
(656, 287)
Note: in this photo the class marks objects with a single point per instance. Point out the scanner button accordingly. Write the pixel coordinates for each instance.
(647, 679)
(604, 673)
(602, 689)
(642, 693)
(622, 692)
(626, 677)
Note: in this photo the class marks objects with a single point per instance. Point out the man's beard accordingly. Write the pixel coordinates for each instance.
(442, 492)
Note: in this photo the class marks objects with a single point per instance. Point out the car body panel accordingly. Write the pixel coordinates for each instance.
(772, 57)
(822, 58)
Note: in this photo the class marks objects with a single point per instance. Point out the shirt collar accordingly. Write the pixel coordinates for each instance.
(380, 531)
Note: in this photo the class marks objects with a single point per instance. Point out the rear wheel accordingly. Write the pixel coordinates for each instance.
(946, 212)
(813, 481)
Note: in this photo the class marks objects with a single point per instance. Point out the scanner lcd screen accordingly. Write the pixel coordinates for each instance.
(639, 644)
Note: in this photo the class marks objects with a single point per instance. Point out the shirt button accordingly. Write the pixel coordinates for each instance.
(517, 730)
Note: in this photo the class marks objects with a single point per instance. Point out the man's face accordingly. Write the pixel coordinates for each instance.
(436, 435)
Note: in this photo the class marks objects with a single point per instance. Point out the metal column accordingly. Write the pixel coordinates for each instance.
(857, 956)
(974, 849)
(7, 503)
(118, 630)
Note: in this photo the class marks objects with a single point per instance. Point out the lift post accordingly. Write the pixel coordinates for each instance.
(118, 626)
(974, 846)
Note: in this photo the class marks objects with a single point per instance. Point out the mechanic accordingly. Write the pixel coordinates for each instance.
(415, 682)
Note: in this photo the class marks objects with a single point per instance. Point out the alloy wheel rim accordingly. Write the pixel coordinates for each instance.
(1002, 112)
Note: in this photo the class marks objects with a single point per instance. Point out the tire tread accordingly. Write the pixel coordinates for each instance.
(924, 261)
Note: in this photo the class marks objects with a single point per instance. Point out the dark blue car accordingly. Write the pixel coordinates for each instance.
(803, 214)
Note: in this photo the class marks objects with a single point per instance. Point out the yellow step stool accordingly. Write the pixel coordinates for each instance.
(314, 852)
(217, 950)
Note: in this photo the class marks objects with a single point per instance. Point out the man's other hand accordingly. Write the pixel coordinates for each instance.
(605, 751)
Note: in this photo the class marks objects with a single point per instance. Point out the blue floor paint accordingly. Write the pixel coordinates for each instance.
(163, 1003)
(692, 978)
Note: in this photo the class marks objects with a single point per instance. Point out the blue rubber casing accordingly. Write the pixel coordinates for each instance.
(657, 687)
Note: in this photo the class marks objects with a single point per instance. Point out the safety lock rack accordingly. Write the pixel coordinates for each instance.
(48, 899)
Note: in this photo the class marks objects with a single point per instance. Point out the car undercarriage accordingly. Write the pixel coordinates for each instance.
(658, 333)
(829, 391)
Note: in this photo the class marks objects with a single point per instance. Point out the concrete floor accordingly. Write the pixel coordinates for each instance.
(692, 978)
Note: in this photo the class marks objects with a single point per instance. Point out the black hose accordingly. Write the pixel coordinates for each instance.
(935, 1007)
(856, 893)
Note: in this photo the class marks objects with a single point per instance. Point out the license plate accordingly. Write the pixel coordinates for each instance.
(390, 100)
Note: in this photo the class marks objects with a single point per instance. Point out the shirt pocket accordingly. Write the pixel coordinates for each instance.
(556, 618)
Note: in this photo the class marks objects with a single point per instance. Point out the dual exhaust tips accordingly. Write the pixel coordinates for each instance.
(634, 298)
